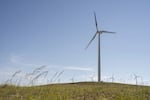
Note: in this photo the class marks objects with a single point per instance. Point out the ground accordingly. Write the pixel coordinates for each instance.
(76, 91)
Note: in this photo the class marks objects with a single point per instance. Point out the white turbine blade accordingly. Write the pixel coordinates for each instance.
(96, 21)
(91, 40)
(107, 32)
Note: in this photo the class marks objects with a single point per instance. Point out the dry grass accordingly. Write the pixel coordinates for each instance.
(76, 91)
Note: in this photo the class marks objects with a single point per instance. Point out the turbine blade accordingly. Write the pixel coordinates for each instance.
(96, 21)
(107, 32)
(91, 40)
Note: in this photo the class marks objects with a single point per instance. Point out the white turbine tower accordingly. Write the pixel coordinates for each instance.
(98, 32)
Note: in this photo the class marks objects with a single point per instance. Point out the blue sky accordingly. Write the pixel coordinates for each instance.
(55, 32)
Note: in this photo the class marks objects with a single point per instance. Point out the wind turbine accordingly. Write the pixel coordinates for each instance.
(112, 78)
(136, 78)
(98, 32)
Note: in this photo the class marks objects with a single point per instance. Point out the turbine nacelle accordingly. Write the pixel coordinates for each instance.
(100, 32)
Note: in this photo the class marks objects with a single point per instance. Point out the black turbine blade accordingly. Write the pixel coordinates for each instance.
(91, 40)
(96, 21)
(107, 32)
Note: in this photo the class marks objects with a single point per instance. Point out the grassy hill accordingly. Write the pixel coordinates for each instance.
(76, 91)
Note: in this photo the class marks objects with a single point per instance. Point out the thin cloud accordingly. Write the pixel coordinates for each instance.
(19, 60)
(15, 59)
(79, 68)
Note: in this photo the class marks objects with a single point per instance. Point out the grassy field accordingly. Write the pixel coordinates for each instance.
(76, 91)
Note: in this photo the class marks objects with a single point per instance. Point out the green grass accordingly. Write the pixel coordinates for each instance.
(76, 91)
